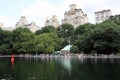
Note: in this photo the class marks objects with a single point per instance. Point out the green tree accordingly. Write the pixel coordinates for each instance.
(82, 38)
(1, 36)
(103, 39)
(5, 49)
(5, 42)
(17, 32)
(74, 49)
(81, 29)
(44, 43)
(85, 43)
(57, 40)
(20, 37)
(115, 19)
(47, 43)
(106, 38)
(66, 31)
(46, 29)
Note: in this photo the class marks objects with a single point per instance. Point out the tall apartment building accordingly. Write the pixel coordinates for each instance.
(103, 15)
(75, 16)
(31, 26)
(24, 23)
(21, 22)
(1, 25)
(52, 21)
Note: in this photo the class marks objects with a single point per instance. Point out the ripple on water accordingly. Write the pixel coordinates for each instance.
(6, 77)
(42, 78)
(32, 78)
(3, 79)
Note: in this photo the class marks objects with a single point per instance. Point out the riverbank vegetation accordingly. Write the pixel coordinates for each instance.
(103, 38)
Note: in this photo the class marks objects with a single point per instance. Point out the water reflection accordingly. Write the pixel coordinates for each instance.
(64, 68)
(66, 63)
(12, 63)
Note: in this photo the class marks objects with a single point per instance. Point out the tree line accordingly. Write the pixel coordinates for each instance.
(103, 38)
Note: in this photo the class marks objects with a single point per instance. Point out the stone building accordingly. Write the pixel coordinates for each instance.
(32, 26)
(21, 22)
(75, 16)
(24, 23)
(52, 21)
(1, 25)
(101, 16)
(10, 28)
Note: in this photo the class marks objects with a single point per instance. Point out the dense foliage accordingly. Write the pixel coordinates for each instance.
(65, 31)
(22, 41)
(102, 39)
(46, 29)
(115, 19)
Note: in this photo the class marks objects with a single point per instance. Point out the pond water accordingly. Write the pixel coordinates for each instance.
(59, 69)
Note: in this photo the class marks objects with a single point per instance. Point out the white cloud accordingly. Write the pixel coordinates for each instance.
(83, 3)
(40, 10)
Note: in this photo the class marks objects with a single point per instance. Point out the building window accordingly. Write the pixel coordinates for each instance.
(47, 21)
(53, 20)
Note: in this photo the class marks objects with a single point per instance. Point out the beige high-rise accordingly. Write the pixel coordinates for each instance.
(75, 16)
(24, 23)
(52, 21)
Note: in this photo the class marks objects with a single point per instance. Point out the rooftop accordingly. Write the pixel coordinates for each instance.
(67, 48)
(103, 11)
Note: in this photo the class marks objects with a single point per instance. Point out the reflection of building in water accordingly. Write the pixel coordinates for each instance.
(24, 24)
(66, 63)
(53, 21)
(75, 16)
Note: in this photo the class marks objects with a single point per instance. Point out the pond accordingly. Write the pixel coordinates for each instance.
(63, 68)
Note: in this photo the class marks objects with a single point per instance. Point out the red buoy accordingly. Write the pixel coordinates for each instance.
(12, 58)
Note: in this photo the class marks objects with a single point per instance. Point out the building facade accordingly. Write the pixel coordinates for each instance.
(32, 26)
(1, 25)
(52, 21)
(103, 15)
(75, 16)
(21, 22)
(24, 23)
(10, 28)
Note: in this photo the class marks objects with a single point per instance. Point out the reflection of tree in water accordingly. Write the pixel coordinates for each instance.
(63, 68)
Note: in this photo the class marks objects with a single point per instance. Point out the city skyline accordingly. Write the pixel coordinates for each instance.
(38, 10)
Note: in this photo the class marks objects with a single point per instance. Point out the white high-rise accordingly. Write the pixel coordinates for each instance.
(1, 25)
(21, 22)
(52, 21)
(103, 15)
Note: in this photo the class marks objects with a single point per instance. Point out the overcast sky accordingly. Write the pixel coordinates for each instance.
(38, 10)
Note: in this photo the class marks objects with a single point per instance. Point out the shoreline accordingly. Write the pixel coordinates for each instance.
(62, 56)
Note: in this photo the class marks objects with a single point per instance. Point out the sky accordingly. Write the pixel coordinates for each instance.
(38, 10)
